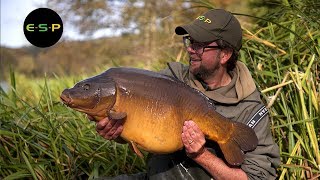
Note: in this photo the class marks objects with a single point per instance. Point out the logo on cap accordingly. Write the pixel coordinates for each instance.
(204, 19)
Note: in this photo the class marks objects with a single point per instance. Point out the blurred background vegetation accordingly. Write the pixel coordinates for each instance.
(42, 139)
(146, 35)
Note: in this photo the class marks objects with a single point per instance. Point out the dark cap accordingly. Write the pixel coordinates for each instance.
(214, 25)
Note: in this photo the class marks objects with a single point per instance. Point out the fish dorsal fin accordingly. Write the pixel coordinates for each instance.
(117, 115)
(134, 147)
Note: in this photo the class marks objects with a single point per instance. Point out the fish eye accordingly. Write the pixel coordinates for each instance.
(86, 87)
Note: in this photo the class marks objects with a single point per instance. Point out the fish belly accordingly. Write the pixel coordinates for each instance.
(154, 126)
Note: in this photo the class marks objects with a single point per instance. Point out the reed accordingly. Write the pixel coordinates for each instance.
(42, 139)
(283, 54)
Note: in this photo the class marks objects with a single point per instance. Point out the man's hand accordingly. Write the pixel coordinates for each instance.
(109, 128)
(193, 139)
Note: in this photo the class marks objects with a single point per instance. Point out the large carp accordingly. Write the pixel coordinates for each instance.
(155, 107)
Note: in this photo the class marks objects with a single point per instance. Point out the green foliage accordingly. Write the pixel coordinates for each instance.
(283, 52)
(42, 139)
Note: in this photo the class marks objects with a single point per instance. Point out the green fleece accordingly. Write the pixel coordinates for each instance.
(239, 101)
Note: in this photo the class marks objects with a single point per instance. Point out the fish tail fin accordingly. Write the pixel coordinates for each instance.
(243, 138)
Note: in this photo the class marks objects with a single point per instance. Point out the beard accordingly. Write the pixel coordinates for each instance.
(203, 72)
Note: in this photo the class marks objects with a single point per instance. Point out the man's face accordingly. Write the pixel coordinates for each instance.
(204, 62)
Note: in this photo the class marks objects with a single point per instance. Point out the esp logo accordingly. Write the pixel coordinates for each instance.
(43, 27)
(204, 19)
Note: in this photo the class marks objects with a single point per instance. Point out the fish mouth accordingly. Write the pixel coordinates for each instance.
(68, 101)
(65, 99)
(81, 106)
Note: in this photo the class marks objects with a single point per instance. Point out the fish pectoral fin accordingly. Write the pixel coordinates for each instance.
(134, 147)
(117, 115)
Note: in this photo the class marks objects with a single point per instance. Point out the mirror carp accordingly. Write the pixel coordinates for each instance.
(154, 108)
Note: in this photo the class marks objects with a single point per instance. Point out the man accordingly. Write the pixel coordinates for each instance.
(212, 41)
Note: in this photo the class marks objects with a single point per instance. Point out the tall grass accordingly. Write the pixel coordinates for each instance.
(42, 139)
(283, 52)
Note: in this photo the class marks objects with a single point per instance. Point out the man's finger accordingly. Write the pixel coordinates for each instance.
(102, 124)
(189, 125)
(186, 133)
(194, 127)
(185, 140)
(91, 118)
(115, 125)
(107, 137)
(101, 133)
(117, 133)
(109, 125)
(195, 130)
